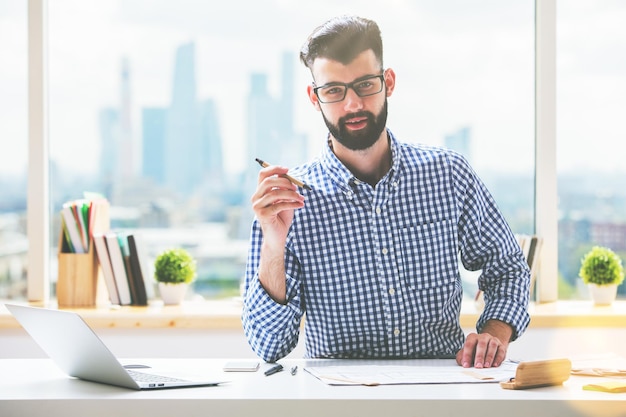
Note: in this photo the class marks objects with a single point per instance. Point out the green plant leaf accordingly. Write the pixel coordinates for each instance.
(175, 266)
(601, 266)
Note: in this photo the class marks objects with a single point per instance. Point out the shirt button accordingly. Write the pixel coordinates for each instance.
(384, 251)
(378, 210)
(396, 332)
(392, 291)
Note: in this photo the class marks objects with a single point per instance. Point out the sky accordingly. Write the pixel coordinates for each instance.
(457, 63)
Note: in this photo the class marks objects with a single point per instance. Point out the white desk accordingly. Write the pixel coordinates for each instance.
(36, 387)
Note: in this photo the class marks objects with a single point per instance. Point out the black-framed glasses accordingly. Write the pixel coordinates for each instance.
(363, 87)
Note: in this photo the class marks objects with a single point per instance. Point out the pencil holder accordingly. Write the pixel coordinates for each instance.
(78, 279)
(79, 282)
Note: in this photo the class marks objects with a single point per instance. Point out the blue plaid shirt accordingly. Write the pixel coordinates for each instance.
(376, 269)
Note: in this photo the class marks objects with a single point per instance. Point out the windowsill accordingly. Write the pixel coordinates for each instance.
(214, 314)
(581, 313)
(226, 315)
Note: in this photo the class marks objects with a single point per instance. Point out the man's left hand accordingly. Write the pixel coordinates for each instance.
(487, 349)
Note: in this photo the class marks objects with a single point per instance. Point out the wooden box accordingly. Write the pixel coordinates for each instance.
(78, 280)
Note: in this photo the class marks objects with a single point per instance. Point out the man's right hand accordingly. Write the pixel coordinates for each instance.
(274, 203)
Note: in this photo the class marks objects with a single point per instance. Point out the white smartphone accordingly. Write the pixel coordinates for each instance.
(241, 366)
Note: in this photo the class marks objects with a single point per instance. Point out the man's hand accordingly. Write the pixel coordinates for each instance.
(486, 349)
(274, 203)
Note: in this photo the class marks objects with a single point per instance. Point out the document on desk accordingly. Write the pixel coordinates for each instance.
(607, 364)
(371, 375)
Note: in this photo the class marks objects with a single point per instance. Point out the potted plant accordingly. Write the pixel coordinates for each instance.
(174, 270)
(601, 269)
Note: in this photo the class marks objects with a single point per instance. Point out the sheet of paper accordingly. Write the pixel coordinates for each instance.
(407, 374)
(601, 364)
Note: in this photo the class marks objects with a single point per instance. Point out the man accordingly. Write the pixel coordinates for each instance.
(370, 253)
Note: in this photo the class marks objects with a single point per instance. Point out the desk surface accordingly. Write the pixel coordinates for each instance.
(36, 387)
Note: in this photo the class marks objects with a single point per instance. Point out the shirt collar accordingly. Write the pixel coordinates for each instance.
(342, 175)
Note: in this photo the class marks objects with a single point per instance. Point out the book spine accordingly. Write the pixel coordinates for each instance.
(137, 271)
(105, 264)
(123, 242)
(119, 271)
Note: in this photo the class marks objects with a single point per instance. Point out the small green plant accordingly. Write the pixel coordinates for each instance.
(601, 266)
(175, 266)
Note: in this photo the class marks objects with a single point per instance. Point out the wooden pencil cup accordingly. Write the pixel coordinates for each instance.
(77, 283)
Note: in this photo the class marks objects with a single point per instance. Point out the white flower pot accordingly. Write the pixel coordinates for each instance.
(172, 294)
(603, 294)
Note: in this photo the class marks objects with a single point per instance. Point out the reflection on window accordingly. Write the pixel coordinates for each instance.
(164, 110)
(591, 103)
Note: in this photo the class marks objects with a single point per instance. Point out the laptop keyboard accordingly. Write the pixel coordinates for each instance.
(141, 377)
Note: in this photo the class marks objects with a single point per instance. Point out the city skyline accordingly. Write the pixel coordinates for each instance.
(180, 145)
(442, 39)
(148, 39)
(468, 68)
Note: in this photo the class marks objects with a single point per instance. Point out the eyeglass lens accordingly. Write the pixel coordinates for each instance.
(337, 92)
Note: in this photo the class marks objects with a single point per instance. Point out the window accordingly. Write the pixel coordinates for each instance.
(591, 103)
(134, 87)
(13, 154)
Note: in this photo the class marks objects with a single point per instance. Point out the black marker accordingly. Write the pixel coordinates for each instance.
(273, 370)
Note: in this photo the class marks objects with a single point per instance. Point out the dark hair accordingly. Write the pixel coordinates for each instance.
(342, 39)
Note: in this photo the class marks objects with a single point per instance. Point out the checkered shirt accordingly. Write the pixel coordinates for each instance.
(376, 269)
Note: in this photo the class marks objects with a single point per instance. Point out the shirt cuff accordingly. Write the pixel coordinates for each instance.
(267, 313)
(507, 311)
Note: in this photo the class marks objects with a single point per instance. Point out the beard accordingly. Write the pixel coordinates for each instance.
(363, 139)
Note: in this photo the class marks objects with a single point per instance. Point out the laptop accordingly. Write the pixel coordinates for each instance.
(79, 352)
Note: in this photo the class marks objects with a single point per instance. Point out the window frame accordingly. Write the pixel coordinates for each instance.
(546, 198)
(38, 201)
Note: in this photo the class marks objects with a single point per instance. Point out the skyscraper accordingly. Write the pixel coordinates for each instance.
(126, 144)
(108, 122)
(271, 120)
(182, 146)
(117, 144)
(183, 159)
(460, 141)
(261, 123)
(270, 130)
(153, 123)
(211, 141)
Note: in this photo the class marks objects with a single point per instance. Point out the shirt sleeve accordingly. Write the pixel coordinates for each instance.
(487, 243)
(272, 329)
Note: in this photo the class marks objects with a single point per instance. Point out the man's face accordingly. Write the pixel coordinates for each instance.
(354, 138)
(355, 122)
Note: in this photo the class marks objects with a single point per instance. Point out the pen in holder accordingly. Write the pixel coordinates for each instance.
(79, 283)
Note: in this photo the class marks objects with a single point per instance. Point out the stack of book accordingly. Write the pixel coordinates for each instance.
(124, 267)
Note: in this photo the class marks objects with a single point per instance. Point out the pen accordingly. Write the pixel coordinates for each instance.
(290, 178)
(273, 370)
(294, 370)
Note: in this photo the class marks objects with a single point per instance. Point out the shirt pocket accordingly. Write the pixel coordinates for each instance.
(428, 256)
